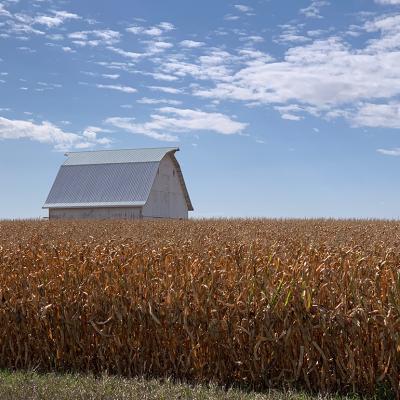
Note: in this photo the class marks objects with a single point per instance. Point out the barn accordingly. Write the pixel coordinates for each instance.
(119, 184)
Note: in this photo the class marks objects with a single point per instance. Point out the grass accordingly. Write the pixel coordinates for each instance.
(34, 386)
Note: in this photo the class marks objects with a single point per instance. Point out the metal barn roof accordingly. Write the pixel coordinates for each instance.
(109, 178)
(118, 156)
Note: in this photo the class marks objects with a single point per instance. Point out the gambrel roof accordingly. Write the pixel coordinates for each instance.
(110, 178)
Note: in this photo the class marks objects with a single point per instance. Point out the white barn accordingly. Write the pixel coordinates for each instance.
(119, 184)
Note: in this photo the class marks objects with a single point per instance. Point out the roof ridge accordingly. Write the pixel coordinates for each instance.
(138, 148)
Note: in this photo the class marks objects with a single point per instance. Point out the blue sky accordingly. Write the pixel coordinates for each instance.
(280, 108)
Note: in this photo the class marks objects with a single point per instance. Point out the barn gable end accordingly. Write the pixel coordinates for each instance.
(167, 195)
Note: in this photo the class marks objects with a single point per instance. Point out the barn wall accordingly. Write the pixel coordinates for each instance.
(166, 199)
(95, 213)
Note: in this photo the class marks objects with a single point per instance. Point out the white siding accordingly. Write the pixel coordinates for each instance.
(166, 198)
(96, 213)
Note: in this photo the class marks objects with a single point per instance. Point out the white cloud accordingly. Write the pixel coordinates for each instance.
(46, 132)
(90, 133)
(55, 36)
(389, 26)
(313, 10)
(155, 47)
(21, 25)
(214, 65)
(57, 19)
(110, 76)
(106, 37)
(388, 2)
(186, 119)
(122, 66)
(328, 77)
(191, 44)
(24, 24)
(166, 89)
(242, 8)
(146, 100)
(136, 30)
(292, 38)
(47, 86)
(252, 38)
(147, 129)
(390, 152)
(169, 121)
(166, 26)
(26, 49)
(163, 77)
(89, 73)
(3, 11)
(125, 89)
(291, 34)
(162, 45)
(378, 115)
(288, 112)
(291, 117)
(157, 30)
(128, 54)
(153, 31)
(385, 24)
(67, 49)
(230, 17)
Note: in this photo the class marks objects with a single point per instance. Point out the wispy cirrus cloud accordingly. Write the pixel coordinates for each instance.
(105, 37)
(191, 44)
(390, 152)
(67, 49)
(156, 30)
(119, 88)
(187, 119)
(291, 34)
(215, 65)
(319, 72)
(147, 129)
(230, 17)
(328, 77)
(58, 18)
(388, 2)
(169, 121)
(4, 12)
(314, 9)
(20, 23)
(243, 8)
(157, 46)
(110, 76)
(129, 54)
(146, 100)
(166, 89)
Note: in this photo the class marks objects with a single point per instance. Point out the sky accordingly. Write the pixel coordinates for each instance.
(280, 108)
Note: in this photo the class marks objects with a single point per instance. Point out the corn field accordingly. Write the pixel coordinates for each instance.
(313, 304)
